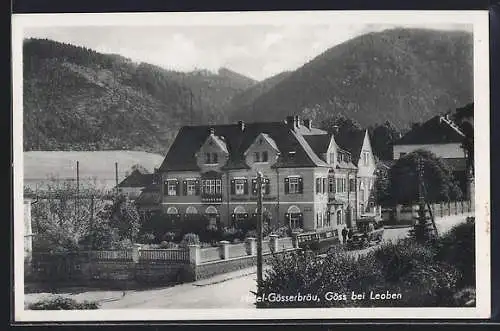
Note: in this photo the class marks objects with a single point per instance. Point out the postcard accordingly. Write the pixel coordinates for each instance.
(251, 166)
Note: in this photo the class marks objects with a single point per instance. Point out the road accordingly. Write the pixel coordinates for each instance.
(232, 290)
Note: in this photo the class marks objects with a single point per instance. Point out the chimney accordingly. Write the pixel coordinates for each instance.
(290, 122)
(335, 129)
(308, 124)
(297, 121)
(212, 131)
(241, 125)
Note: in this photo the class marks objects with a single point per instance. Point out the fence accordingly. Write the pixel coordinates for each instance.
(406, 214)
(159, 266)
(164, 254)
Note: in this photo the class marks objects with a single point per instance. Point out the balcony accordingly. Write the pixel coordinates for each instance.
(211, 198)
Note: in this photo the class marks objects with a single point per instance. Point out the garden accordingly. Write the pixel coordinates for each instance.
(439, 273)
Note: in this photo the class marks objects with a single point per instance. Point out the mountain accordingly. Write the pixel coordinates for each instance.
(397, 75)
(77, 99)
(246, 98)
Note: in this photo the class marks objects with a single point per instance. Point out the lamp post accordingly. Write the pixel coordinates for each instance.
(259, 231)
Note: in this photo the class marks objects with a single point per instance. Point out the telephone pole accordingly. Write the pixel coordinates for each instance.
(259, 231)
(116, 177)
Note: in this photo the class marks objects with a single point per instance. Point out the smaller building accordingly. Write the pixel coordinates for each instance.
(134, 183)
(445, 138)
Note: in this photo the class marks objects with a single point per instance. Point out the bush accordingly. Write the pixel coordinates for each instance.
(282, 231)
(169, 236)
(62, 303)
(167, 245)
(251, 234)
(147, 238)
(190, 239)
(457, 248)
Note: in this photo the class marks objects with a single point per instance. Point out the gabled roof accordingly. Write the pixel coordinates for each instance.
(319, 142)
(188, 141)
(136, 179)
(352, 142)
(437, 130)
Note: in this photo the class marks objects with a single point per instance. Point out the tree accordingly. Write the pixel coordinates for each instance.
(62, 217)
(382, 187)
(125, 218)
(439, 183)
(140, 168)
(382, 138)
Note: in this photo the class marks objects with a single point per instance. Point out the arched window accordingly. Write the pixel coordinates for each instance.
(295, 217)
(172, 210)
(191, 210)
(239, 210)
(339, 217)
(211, 210)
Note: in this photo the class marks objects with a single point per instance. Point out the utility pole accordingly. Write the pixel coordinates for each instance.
(259, 231)
(77, 197)
(116, 177)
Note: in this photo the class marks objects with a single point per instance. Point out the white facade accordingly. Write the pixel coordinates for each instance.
(445, 151)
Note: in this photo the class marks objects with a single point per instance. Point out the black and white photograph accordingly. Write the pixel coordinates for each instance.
(251, 165)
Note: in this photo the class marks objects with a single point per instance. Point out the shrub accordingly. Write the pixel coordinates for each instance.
(62, 303)
(147, 238)
(251, 234)
(168, 244)
(282, 231)
(457, 248)
(169, 236)
(123, 244)
(190, 239)
(399, 259)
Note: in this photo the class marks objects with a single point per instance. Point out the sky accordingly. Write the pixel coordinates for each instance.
(257, 51)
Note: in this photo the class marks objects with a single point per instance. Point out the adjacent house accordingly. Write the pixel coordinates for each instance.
(134, 183)
(311, 182)
(445, 138)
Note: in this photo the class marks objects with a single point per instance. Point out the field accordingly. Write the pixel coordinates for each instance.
(94, 166)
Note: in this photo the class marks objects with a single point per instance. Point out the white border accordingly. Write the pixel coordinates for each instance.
(479, 20)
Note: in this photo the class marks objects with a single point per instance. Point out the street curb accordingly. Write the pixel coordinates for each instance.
(225, 279)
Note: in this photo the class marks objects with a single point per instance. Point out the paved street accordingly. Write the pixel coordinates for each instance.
(230, 290)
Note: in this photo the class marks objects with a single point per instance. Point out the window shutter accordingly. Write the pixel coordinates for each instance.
(287, 189)
(301, 185)
(318, 189)
(177, 188)
(165, 188)
(184, 187)
(245, 186)
(324, 185)
(254, 186)
(301, 220)
(233, 187)
(268, 186)
(197, 187)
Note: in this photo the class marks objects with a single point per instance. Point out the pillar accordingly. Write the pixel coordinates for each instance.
(194, 254)
(135, 250)
(251, 246)
(224, 249)
(273, 242)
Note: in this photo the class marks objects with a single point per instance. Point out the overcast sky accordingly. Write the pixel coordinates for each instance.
(258, 51)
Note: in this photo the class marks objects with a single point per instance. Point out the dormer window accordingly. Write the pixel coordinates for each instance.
(261, 156)
(256, 157)
(264, 156)
(211, 158)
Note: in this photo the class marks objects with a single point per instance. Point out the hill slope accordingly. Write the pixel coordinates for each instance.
(77, 99)
(400, 75)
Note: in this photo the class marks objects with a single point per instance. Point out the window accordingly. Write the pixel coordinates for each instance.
(212, 186)
(295, 217)
(331, 185)
(293, 185)
(339, 217)
(239, 185)
(191, 187)
(323, 184)
(332, 157)
(318, 185)
(366, 158)
(327, 219)
(352, 185)
(211, 158)
(171, 187)
(264, 156)
(256, 157)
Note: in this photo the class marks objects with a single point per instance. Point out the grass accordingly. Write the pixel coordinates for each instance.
(39, 166)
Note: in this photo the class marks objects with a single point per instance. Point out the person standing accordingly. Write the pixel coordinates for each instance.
(344, 235)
